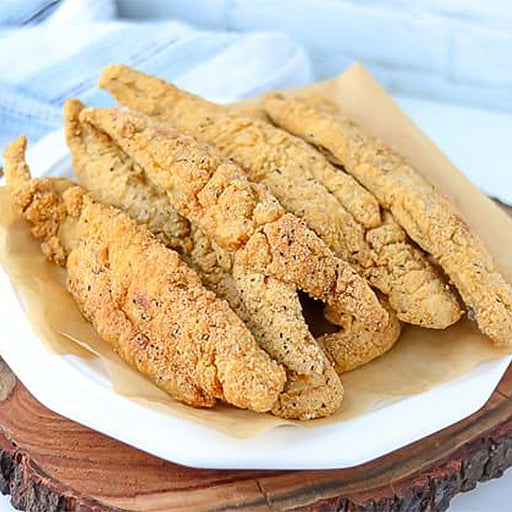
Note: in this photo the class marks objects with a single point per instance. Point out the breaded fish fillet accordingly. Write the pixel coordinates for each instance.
(270, 308)
(308, 186)
(240, 216)
(155, 97)
(142, 299)
(427, 217)
(224, 204)
(271, 157)
(349, 355)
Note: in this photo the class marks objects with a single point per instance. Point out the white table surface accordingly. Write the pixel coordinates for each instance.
(480, 144)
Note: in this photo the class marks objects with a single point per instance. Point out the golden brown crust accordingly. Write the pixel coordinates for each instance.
(417, 291)
(151, 308)
(115, 179)
(427, 217)
(205, 188)
(125, 268)
(288, 249)
(267, 154)
(98, 161)
(40, 201)
(288, 166)
(270, 308)
(304, 393)
(274, 314)
(213, 193)
(354, 345)
(307, 185)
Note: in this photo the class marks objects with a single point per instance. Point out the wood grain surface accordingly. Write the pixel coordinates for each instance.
(49, 463)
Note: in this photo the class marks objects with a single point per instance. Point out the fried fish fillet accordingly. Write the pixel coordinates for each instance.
(155, 97)
(142, 299)
(270, 308)
(274, 243)
(130, 190)
(427, 217)
(240, 216)
(271, 158)
(303, 195)
(349, 355)
(308, 186)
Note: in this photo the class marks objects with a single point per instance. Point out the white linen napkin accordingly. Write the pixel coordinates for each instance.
(52, 50)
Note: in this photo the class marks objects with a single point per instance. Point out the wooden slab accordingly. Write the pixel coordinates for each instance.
(50, 464)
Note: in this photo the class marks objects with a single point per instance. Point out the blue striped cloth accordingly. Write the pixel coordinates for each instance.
(18, 13)
(52, 50)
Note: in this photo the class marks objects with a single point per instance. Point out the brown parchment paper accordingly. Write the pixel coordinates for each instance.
(420, 360)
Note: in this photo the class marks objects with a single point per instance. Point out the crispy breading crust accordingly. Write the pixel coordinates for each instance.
(416, 290)
(115, 179)
(272, 312)
(287, 247)
(353, 345)
(270, 308)
(273, 157)
(93, 151)
(427, 217)
(285, 159)
(308, 186)
(240, 216)
(301, 395)
(40, 202)
(145, 302)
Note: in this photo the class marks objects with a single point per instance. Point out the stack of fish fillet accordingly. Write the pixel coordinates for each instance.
(196, 231)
